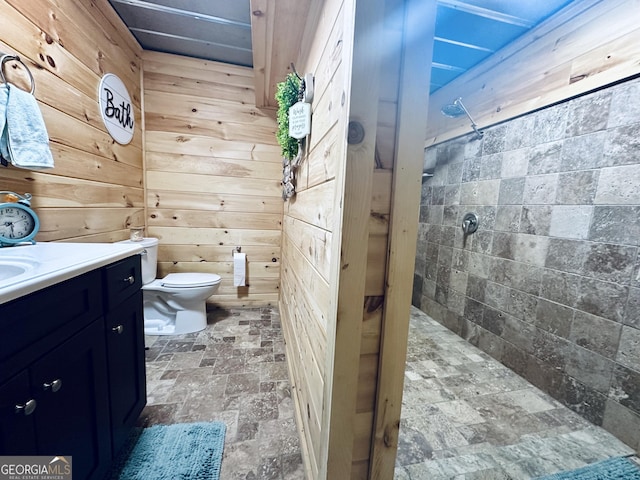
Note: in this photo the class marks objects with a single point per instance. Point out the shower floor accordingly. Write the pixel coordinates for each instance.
(467, 416)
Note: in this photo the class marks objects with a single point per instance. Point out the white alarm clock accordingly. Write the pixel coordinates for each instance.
(18, 223)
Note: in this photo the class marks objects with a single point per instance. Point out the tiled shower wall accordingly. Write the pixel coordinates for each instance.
(550, 282)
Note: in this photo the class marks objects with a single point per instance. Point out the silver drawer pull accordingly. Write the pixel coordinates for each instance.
(54, 386)
(118, 329)
(130, 279)
(26, 409)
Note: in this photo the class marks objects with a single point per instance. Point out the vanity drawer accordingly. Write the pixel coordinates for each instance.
(122, 279)
(44, 318)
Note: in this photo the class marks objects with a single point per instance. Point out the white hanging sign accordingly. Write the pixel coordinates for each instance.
(300, 120)
(116, 108)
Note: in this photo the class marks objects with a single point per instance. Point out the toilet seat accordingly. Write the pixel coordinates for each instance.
(190, 280)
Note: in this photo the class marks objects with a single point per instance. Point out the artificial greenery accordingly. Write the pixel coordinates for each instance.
(287, 94)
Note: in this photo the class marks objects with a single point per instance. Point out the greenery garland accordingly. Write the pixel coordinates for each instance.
(287, 94)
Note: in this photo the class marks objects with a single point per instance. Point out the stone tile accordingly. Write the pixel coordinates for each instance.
(520, 334)
(518, 275)
(536, 219)
(511, 191)
(632, 310)
(602, 298)
(437, 195)
(490, 166)
(571, 221)
(625, 107)
(521, 304)
(531, 249)
(412, 446)
(540, 189)
(471, 169)
(623, 423)
(530, 400)
(545, 158)
(504, 245)
(629, 348)
(616, 224)
(454, 175)
(430, 158)
(483, 192)
(577, 188)
(459, 412)
(494, 140)
(625, 388)
(618, 186)
(551, 349)
(560, 287)
(583, 152)
(589, 113)
(621, 146)
(493, 321)
(452, 193)
(519, 132)
(585, 401)
(590, 368)
(553, 317)
(508, 218)
(550, 124)
(596, 334)
(567, 255)
(515, 163)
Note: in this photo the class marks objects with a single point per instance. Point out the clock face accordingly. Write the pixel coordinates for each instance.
(16, 223)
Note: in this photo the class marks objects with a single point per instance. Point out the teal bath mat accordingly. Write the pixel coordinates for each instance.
(619, 468)
(184, 451)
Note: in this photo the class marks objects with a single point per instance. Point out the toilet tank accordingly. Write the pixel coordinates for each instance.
(149, 258)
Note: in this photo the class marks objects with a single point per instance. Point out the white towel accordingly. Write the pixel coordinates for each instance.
(239, 269)
(24, 141)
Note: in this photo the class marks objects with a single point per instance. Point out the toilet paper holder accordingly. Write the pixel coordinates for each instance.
(236, 250)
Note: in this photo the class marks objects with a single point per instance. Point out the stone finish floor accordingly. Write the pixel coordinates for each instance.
(466, 416)
(234, 371)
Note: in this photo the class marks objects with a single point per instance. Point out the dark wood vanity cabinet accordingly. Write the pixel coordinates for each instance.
(72, 378)
(125, 355)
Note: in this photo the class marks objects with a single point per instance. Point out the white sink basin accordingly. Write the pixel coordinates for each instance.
(27, 268)
(12, 267)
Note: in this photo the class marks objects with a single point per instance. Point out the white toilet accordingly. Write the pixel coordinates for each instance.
(175, 304)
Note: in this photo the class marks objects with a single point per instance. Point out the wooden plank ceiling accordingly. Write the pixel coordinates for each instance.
(266, 34)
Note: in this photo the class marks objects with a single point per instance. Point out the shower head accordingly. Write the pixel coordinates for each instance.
(457, 109)
(454, 110)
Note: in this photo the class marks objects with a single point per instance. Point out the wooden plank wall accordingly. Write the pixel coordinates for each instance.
(95, 191)
(588, 45)
(326, 364)
(307, 300)
(213, 171)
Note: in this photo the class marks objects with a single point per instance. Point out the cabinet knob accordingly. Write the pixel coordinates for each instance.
(54, 386)
(26, 409)
(130, 279)
(118, 329)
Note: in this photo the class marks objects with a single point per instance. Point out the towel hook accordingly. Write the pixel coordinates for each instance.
(7, 58)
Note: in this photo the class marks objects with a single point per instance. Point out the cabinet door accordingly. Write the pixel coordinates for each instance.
(72, 417)
(17, 406)
(127, 379)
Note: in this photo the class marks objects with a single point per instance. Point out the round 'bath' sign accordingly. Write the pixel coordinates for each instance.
(116, 108)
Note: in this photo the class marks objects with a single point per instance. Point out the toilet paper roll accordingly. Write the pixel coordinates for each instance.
(239, 269)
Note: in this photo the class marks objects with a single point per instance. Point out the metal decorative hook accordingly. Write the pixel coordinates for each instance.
(295, 72)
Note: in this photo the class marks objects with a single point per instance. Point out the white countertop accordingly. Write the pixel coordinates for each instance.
(48, 263)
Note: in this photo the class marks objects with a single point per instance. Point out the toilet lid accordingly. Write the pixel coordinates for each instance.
(190, 279)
